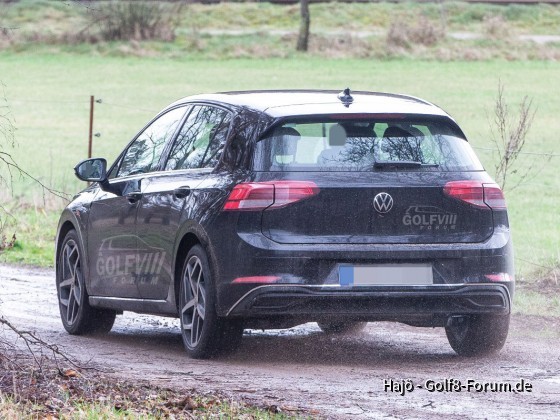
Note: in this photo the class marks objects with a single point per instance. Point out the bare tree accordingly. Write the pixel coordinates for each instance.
(303, 38)
(9, 168)
(509, 135)
(6, 141)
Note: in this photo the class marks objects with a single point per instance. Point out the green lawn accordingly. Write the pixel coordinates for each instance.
(49, 99)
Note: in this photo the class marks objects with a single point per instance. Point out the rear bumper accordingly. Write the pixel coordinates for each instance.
(373, 303)
(308, 284)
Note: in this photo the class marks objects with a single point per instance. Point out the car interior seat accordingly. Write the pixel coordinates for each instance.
(285, 145)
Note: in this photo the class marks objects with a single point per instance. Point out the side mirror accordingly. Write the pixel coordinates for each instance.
(92, 170)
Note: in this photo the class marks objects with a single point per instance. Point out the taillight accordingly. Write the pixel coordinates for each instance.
(482, 195)
(250, 196)
(494, 197)
(271, 195)
(287, 192)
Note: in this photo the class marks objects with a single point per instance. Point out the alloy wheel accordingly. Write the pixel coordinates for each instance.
(194, 295)
(71, 284)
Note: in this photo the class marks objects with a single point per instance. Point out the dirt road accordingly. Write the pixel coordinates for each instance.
(340, 377)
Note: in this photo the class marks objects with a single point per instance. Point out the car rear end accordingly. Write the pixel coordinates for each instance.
(350, 217)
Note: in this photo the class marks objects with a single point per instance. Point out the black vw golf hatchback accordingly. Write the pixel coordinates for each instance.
(269, 209)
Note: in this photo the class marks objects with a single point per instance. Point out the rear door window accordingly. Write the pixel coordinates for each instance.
(201, 139)
(365, 145)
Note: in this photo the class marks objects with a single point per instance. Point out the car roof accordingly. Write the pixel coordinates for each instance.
(284, 103)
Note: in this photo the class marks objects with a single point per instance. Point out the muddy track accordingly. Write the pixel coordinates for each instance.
(340, 377)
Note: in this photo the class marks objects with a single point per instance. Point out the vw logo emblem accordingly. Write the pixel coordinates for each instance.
(383, 203)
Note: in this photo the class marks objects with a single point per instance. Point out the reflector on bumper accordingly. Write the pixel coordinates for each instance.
(256, 279)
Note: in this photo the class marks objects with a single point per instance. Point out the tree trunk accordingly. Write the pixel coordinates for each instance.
(303, 38)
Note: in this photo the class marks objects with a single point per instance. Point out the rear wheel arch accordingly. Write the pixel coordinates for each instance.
(195, 235)
(185, 245)
(192, 234)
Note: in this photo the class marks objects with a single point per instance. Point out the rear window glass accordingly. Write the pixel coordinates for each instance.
(365, 145)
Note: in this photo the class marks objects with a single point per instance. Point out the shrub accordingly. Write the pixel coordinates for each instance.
(509, 135)
(137, 20)
(496, 27)
(403, 35)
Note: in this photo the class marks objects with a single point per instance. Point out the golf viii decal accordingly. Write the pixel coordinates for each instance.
(429, 218)
(121, 264)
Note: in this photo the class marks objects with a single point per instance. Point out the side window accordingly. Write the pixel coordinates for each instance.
(201, 139)
(143, 154)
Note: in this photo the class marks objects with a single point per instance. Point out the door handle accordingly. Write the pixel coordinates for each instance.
(133, 196)
(182, 192)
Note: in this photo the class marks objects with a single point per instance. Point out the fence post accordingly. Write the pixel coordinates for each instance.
(91, 102)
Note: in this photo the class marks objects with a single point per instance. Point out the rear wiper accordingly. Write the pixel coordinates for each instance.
(389, 164)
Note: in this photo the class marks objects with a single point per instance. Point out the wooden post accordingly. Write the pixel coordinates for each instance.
(303, 38)
(91, 102)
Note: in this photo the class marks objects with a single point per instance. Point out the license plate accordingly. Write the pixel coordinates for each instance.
(386, 275)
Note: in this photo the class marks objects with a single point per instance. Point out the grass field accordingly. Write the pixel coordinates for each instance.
(49, 99)
(47, 83)
(48, 79)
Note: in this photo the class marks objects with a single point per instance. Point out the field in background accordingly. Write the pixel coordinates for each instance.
(47, 76)
(49, 99)
(449, 30)
(63, 17)
(455, 15)
(451, 53)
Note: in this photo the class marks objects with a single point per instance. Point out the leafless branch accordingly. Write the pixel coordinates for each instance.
(34, 342)
(509, 135)
(12, 166)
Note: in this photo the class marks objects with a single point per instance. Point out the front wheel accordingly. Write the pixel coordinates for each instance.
(204, 333)
(478, 335)
(77, 316)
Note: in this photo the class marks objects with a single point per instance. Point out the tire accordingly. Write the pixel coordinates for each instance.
(77, 316)
(478, 335)
(204, 333)
(342, 328)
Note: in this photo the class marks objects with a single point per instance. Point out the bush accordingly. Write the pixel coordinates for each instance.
(137, 20)
(496, 27)
(404, 35)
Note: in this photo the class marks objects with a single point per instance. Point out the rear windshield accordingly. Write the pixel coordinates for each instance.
(365, 145)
